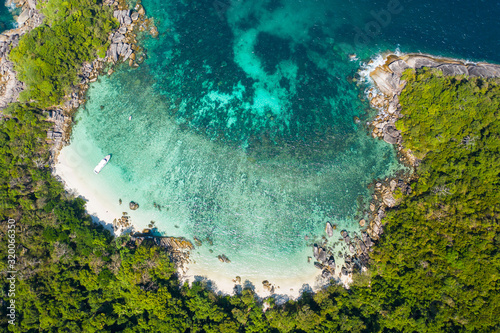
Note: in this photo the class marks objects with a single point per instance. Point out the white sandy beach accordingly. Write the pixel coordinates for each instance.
(289, 287)
(286, 287)
(101, 204)
(104, 208)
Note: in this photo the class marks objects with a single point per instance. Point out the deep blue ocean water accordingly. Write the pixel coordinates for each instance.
(247, 126)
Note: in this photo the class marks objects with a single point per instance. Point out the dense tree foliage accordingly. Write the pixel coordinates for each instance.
(440, 258)
(436, 268)
(48, 57)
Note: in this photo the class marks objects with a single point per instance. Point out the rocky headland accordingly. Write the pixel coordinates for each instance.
(384, 96)
(30, 18)
(388, 86)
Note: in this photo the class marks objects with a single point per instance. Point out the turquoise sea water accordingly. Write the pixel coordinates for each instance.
(244, 125)
(6, 19)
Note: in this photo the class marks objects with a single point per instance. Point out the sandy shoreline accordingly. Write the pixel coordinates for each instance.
(291, 288)
(99, 204)
(284, 287)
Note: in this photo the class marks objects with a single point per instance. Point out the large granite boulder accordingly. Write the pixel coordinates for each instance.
(329, 229)
(398, 66)
(25, 15)
(484, 70)
(453, 69)
(322, 254)
(391, 134)
(419, 61)
(388, 83)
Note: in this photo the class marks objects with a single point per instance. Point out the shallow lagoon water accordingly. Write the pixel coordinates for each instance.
(243, 128)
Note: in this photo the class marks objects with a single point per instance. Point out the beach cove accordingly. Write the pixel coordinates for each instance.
(195, 191)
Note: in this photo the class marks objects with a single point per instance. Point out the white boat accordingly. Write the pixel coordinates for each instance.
(101, 164)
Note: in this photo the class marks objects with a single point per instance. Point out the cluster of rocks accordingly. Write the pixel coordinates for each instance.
(29, 18)
(133, 205)
(56, 135)
(358, 248)
(324, 260)
(383, 198)
(354, 254)
(123, 40)
(223, 258)
(89, 72)
(122, 223)
(268, 286)
(59, 119)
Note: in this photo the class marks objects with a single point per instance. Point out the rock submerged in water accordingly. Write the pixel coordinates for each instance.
(223, 258)
(346, 237)
(133, 205)
(197, 242)
(329, 229)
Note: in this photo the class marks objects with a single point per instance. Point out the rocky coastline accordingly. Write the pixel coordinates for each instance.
(123, 47)
(384, 96)
(30, 18)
